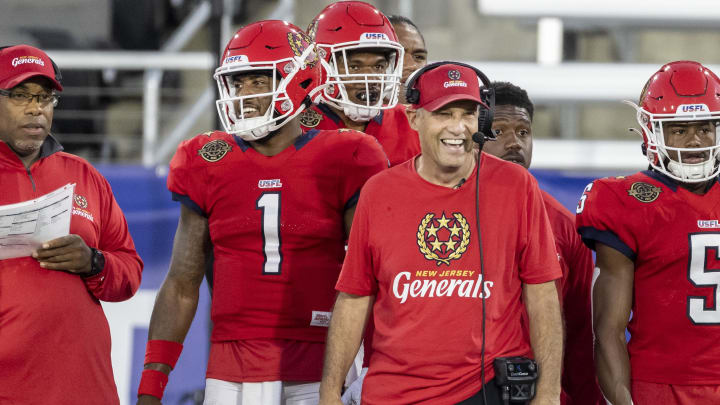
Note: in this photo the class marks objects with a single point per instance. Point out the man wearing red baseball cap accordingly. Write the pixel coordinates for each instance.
(447, 299)
(55, 345)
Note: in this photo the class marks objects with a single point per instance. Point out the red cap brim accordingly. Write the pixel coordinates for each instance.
(441, 101)
(24, 76)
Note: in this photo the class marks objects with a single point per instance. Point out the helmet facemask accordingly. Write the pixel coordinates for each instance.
(374, 91)
(668, 159)
(233, 107)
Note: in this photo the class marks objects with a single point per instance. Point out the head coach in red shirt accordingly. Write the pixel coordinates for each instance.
(448, 250)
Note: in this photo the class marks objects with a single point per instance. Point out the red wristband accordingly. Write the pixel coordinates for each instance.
(153, 383)
(162, 351)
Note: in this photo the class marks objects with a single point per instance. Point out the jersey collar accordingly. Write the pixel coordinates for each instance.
(667, 181)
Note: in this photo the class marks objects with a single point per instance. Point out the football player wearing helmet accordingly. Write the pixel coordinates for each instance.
(364, 64)
(669, 278)
(273, 205)
(512, 126)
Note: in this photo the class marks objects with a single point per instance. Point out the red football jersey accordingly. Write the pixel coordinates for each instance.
(391, 128)
(414, 246)
(276, 225)
(579, 380)
(673, 237)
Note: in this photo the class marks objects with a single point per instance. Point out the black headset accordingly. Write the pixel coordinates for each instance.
(56, 69)
(487, 95)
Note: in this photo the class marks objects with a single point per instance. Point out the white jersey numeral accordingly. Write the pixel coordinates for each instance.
(581, 204)
(701, 246)
(269, 204)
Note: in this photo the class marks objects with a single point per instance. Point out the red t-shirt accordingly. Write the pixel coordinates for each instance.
(414, 246)
(391, 128)
(276, 226)
(579, 380)
(673, 237)
(54, 338)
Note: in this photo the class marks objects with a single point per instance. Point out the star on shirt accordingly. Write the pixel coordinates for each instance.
(443, 221)
(432, 231)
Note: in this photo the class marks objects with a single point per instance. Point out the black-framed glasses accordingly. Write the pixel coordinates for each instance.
(23, 98)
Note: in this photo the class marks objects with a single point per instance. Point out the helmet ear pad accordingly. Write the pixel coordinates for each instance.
(487, 94)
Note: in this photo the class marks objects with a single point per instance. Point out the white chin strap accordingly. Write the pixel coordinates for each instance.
(251, 129)
(360, 114)
(690, 172)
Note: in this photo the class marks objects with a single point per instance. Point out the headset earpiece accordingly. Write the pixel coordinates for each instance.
(56, 69)
(412, 95)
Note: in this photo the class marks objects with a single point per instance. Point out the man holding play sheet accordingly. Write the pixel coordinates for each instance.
(54, 338)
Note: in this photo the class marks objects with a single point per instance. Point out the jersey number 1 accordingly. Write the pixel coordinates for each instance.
(701, 246)
(269, 204)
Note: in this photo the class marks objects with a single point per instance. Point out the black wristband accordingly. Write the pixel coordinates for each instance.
(97, 263)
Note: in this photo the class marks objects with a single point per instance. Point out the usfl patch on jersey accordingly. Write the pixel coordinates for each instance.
(310, 118)
(644, 192)
(214, 150)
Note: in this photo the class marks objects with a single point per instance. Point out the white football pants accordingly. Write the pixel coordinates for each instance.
(219, 392)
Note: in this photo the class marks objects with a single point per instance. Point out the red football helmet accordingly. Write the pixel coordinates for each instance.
(285, 52)
(680, 91)
(348, 26)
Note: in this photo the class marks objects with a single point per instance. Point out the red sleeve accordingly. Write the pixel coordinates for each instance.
(596, 220)
(121, 275)
(368, 159)
(539, 243)
(358, 276)
(184, 177)
(579, 378)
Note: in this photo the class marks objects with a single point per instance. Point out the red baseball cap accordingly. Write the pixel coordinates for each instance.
(21, 62)
(445, 84)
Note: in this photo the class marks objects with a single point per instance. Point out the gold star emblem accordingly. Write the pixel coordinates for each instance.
(451, 244)
(432, 231)
(455, 230)
(437, 245)
(443, 221)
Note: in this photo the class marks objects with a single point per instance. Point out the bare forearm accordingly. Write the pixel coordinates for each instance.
(546, 336)
(612, 300)
(344, 337)
(613, 367)
(173, 312)
(177, 300)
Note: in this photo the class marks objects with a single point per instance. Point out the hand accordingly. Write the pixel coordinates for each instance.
(68, 253)
(148, 400)
(353, 394)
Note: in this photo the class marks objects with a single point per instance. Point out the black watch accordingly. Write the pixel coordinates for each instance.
(97, 263)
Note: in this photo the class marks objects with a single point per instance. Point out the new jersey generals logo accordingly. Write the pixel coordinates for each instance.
(454, 81)
(312, 29)
(214, 150)
(27, 59)
(443, 239)
(80, 201)
(82, 204)
(310, 118)
(299, 42)
(644, 192)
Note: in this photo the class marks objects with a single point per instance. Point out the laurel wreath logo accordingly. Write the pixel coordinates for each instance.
(457, 253)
